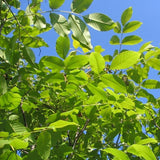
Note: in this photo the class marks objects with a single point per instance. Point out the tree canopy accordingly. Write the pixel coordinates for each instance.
(80, 104)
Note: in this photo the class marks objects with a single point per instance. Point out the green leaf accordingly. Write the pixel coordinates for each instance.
(8, 155)
(99, 21)
(3, 85)
(34, 42)
(60, 24)
(18, 144)
(40, 21)
(98, 92)
(144, 93)
(3, 142)
(62, 125)
(114, 82)
(79, 6)
(119, 155)
(32, 155)
(29, 55)
(131, 26)
(151, 84)
(97, 62)
(54, 63)
(44, 145)
(77, 61)
(126, 15)
(80, 31)
(141, 151)
(108, 58)
(147, 141)
(146, 46)
(54, 4)
(10, 100)
(54, 78)
(77, 77)
(152, 54)
(131, 40)
(117, 28)
(98, 49)
(62, 46)
(115, 40)
(154, 63)
(125, 60)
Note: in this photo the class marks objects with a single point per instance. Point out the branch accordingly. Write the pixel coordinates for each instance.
(23, 115)
(78, 135)
(155, 123)
(118, 139)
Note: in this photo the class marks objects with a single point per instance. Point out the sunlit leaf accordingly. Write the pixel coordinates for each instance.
(131, 26)
(141, 151)
(154, 63)
(97, 62)
(29, 55)
(146, 46)
(80, 31)
(114, 82)
(98, 49)
(3, 85)
(131, 40)
(125, 60)
(144, 93)
(18, 144)
(98, 92)
(62, 46)
(115, 40)
(54, 63)
(77, 77)
(79, 6)
(119, 155)
(60, 24)
(76, 61)
(62, 125)
(117, 28)
(126, 15)
(99, 21)
(108, 58)
(54, 4)
(44, 145)
(151, 84)
(147, 140)
(10, 99)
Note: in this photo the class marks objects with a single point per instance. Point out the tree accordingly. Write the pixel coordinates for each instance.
(79, 105)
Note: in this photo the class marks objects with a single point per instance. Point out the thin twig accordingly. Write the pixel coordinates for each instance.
(118, 139)
(155, 123)
(23, 114)
(77, 136)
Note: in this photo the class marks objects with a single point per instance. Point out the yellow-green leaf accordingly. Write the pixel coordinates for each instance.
(79, 6)
(131, 26)
(131, 40)
(97, 62)
(151, 84)
(54, 4)
(126, 15)
(115, 40)
(119, 155)
(141, 151)
(125, 60)
(99, 21)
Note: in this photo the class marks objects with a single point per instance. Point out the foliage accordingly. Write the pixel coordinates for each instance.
(78, 105)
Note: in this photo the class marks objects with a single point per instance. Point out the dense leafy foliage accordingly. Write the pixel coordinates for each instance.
(78, 105)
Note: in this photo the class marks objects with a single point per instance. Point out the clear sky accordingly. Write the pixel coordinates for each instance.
(146, 11)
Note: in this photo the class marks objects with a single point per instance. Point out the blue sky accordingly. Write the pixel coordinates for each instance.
(146, 11)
